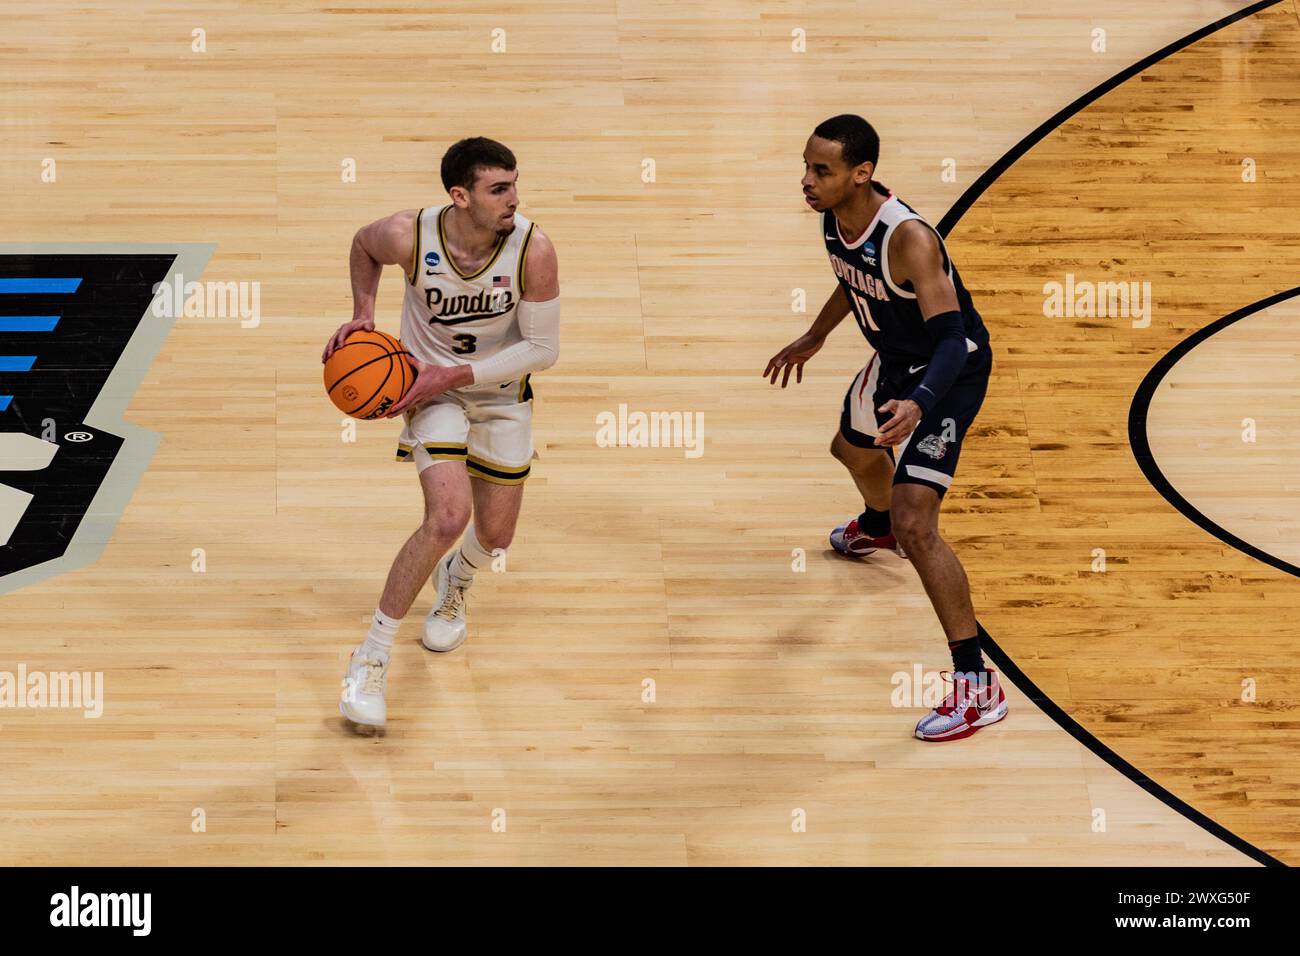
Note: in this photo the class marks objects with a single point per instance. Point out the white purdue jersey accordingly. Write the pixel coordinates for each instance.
(453, 318)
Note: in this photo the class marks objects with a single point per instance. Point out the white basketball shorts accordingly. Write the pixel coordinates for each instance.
(489, 427)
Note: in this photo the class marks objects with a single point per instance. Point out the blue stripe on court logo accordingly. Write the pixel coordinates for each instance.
(39, 286)
(28, 323)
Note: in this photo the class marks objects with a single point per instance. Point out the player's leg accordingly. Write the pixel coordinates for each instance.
(434, 437)
(927, 462)
(915, 510)
(976, 699)
(496, 513)
(496, 510)
(447, 502)
(500, 449)
(870, 466)
(447, 505)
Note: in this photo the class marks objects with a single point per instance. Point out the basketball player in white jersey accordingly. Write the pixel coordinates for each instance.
(482, 312)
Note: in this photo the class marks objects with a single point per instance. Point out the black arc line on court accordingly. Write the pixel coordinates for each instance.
(1140, 442)
(1000, 658)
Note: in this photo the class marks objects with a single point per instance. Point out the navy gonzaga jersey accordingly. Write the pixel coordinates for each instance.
(887, 313)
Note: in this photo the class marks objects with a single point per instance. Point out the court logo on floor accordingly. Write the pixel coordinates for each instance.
(76, 338)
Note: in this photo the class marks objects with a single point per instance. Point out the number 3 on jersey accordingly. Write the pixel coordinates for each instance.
(467, 343)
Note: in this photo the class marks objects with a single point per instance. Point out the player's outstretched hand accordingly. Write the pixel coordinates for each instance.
(341, 336)
(793, 357)
(907, 415)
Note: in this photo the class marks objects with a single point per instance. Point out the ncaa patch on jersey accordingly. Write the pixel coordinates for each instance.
(77, 335)
(432, 259)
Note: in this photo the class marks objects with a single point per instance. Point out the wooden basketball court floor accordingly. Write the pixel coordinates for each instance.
(674, 670)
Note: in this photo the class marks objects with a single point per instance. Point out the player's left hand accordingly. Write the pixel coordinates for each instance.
(907, 415)
(430, 382)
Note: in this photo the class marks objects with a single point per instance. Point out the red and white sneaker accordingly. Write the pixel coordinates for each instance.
(976, 700)
(850, 540)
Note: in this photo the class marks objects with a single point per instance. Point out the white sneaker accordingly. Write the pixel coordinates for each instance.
(362, 700)
(444, 628)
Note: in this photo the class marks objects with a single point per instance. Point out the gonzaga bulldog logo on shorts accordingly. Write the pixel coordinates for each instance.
(932, 445)
(77, 335)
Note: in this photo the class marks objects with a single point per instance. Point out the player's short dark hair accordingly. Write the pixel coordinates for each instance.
(858, 140)
(461, 163)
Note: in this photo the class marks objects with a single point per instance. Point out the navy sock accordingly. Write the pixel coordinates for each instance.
(966, 656)
(873, 522)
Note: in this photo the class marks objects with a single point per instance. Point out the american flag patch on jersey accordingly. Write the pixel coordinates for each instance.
(500, 282)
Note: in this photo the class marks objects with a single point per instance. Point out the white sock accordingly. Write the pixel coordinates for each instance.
(383, 630)
(470, 558)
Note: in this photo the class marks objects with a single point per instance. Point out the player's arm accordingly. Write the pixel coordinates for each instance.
(919, 259)
(794, 355)
(385, 242)
(831, 314)
(922, 262)
(916, 257)
(538, 316)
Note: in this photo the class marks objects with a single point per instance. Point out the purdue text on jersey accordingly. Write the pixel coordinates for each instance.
(450, 317)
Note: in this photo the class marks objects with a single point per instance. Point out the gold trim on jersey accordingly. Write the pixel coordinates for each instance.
(438, 451)
(415, 251)
(523, 256)
(478, 467)
(497, 474)
(446, 251)
(524, 390)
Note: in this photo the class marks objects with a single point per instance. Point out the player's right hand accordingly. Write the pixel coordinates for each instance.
(341, 336)
(793, 356)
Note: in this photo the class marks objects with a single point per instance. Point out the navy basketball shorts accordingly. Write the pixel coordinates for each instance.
(929, 455)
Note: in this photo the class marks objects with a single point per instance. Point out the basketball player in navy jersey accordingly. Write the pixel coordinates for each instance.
(906, 413)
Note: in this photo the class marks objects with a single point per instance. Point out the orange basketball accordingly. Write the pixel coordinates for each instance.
(368, 374)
